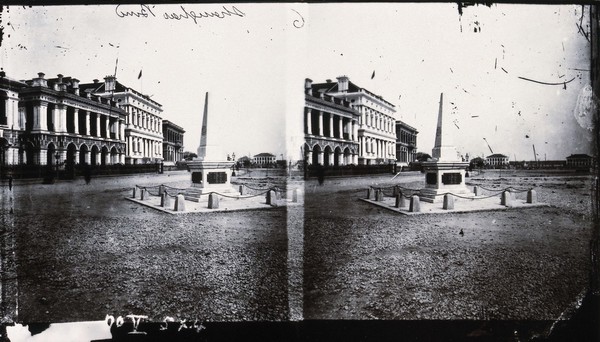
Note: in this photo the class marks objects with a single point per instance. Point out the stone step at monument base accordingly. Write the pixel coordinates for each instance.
(196, 194)
(437, 195)
(192, 198)
(192, 194)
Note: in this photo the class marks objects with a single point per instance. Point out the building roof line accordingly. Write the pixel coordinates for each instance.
(407, 125)
(170, 123)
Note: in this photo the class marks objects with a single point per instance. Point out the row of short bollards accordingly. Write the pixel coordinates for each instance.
(165, 198)
(506, 198)
(413, 206)
(144, 195)
(272, 198)
(377, 195)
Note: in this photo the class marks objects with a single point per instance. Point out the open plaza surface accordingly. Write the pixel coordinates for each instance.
(83, 251)
(365, 262)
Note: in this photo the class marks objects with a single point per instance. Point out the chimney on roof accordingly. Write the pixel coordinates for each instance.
(75, 83)
(343, 83)
(61, 86)
(2, 73)
(39, 81)
(109, 83)
(96, 80)
(308, 86)
(328, 80)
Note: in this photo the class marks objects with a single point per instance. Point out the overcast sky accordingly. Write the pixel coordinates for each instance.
(253, 63)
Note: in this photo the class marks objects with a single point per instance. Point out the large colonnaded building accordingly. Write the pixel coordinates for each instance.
(346, 124)
(59, 120)
(44, 120)
(143, 131)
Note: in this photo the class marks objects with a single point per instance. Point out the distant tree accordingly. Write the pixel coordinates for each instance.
(189, 155)
(244, 161)
(281, 164)
(476, 162)
(421, 157)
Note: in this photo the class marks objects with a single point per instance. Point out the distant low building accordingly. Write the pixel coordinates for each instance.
(580, 161)
(496, 160)
(264, 159)
(406, 143)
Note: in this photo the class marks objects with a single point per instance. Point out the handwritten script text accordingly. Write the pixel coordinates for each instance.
(181, 14)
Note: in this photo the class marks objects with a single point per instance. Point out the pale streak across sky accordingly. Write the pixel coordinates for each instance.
(254, 67)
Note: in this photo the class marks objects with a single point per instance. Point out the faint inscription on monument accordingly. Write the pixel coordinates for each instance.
(197, 177)
(216, 178)
(451, 178)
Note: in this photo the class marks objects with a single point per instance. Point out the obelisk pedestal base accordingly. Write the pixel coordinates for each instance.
(443, 177)
(212, 176)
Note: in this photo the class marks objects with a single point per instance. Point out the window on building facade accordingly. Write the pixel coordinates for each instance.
(3, 113)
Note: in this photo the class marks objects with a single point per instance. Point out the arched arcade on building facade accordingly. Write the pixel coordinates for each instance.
(73, 154)
(327, 155)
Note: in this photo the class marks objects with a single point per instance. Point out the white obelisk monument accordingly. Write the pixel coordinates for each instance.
(445, 173)
(211, 172)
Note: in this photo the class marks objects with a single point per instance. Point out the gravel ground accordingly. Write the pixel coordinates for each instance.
(364, 262)
(83, 251)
